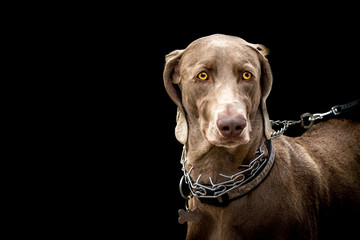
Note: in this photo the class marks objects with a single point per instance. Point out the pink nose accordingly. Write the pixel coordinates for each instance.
(231, 125)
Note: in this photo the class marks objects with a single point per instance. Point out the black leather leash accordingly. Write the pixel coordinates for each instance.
(335, 110)
(307, 120)
(345, 107)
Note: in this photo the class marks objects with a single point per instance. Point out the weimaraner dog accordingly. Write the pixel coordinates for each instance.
(240, 183)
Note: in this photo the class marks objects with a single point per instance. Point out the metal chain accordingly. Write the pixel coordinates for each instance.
(307, 120)
(216, 190)
(286, 124)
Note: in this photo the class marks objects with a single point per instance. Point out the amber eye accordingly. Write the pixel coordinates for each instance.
(246, 75)
(203, 76)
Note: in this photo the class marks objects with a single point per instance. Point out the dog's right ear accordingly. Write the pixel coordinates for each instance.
(266, 84)
(171, 81)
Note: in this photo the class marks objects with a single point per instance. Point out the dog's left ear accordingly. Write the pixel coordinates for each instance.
(266, 84)
(171, 81)
(267, 80)
(264, 51)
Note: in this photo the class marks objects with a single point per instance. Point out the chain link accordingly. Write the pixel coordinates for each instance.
(285, 123)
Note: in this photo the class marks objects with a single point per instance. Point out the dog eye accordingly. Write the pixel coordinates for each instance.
(246, 75)
(203, 76)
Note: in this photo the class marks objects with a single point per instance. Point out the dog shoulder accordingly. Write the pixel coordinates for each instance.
(336, 137)
(327, 155)
(294, 156)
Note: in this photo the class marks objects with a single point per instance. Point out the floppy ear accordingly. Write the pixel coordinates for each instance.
(266, 84)
(172, 77)
(266, 80)
(264, 51)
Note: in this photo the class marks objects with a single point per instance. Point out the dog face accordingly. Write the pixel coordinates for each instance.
(221, 83)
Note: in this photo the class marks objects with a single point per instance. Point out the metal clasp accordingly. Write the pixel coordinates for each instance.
(336, 110)
(310, 120)
(184, 189)
(316, 116)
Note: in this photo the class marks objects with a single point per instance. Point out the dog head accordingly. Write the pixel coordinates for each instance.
(219, 83)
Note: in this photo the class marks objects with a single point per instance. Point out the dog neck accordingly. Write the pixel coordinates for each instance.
(210, 160)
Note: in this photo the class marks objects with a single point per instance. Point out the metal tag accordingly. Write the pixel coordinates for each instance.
(188, 216)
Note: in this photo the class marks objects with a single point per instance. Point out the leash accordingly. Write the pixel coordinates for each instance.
(307, 120)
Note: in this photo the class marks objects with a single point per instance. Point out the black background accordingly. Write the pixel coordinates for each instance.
(132, 164)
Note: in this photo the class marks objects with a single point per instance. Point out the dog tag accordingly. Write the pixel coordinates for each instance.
(188, 216)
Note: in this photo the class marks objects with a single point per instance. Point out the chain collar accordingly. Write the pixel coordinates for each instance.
(237, 184)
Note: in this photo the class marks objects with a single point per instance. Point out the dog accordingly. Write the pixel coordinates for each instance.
(220, 84)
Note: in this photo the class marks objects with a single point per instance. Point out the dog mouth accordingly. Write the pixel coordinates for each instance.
(221, 141)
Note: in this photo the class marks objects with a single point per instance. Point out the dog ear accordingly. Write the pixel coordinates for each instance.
(264, 51)
(266, 84)
(171, 79)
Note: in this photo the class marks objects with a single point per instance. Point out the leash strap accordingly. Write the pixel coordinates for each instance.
(307, 120)
(345, 107)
